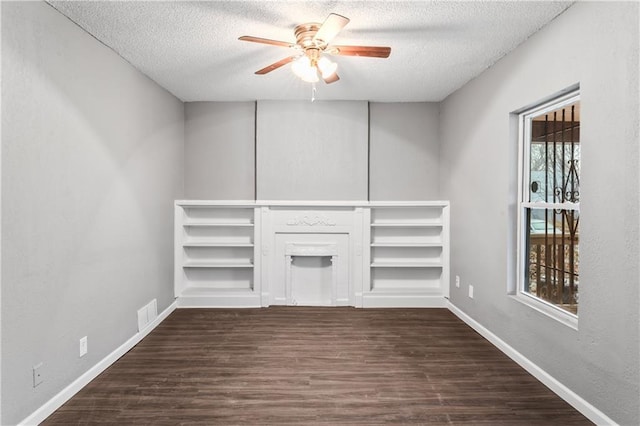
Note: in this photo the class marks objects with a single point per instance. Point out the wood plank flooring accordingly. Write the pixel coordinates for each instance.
(302, 365)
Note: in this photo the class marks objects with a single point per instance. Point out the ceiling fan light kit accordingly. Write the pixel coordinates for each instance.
(312, 42)
(308, 66)
(326, 67)
(303, 68)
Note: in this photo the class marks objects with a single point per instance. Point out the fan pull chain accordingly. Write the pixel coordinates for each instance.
(313, 92)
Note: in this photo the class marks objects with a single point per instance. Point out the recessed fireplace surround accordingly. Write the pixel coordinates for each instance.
(262, 253)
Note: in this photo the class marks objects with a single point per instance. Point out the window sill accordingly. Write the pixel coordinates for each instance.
(550, 311)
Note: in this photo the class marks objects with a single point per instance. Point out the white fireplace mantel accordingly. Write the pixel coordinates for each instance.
(379, 254)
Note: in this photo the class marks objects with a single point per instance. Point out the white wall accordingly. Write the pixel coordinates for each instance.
(312, 151)
(404, 151)
(220, 150)
(92, 155)
(596, 45)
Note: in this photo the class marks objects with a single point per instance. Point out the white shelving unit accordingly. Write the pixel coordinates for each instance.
(215, 254)
(409, 254)
(389, 254)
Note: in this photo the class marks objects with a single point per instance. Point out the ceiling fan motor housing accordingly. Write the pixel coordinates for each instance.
(305, 34)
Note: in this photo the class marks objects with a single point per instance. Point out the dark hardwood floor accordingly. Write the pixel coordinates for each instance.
(299, 365)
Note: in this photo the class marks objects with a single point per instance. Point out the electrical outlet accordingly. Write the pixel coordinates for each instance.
(470, 291)
(37, 375)
(83, 346)
(458, 281)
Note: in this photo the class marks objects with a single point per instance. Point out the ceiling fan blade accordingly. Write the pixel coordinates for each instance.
(331, 27)
(275, 65)
(332, 78)
(370, 51)
(266, 41)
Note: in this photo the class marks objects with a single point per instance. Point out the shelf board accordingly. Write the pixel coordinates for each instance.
(216, 265)
(404, 291)
(407, 225)
(406, 265)
(193, 290)
(220, 224)
(406, 244)
(216, 244)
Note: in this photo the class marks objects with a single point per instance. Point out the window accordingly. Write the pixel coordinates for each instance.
(549, 205)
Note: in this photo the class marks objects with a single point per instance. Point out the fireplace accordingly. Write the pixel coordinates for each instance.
(311, 274)
(312, 256)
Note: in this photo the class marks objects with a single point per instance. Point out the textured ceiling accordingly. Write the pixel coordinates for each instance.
(192, 48)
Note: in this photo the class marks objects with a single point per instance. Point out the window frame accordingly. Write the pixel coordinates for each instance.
(525, 118)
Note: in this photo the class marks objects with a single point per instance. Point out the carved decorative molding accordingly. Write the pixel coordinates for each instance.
(311, 219)
(311, 249)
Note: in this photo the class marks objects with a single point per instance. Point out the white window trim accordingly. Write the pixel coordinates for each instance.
(524, 136)
(547, 309)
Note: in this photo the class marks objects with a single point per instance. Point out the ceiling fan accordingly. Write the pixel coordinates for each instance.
(312, 43)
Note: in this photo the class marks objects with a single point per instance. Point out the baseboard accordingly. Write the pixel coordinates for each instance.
(219, 301)
(372, 300)
(64, 395)
(572, 398)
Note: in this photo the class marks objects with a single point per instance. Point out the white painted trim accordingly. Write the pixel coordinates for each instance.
(219, 301)
(572, 398)
(445, 280)
(307, 203)
(216, 203)
(525, 118)
(67, 393)
(551, 206)
(178, 249)
(410, 300)
(557, 101)
(435, 203)
(552, 311)
(310, 203)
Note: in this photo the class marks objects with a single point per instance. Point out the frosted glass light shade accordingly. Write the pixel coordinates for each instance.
(327, 68)
(303, 69)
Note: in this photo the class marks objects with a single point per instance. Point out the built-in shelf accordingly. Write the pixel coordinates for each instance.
(408, 253)
(406, 265)
(409, 291)
(215, 252)
(216, 265)
(206, 291)
(212, 224)
(216, 244)
(406, 225)
(234, 253)
(406, 244)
